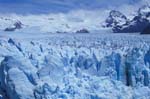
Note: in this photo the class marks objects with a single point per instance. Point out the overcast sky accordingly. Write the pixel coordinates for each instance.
(47, 6)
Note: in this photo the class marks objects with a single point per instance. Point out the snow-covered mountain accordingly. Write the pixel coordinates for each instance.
(54, 23)
(9, 24)
(123, 25)
(115, 18)
(15, 26)
(78, 19)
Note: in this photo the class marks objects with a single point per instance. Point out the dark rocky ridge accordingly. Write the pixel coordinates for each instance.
(82, 31)
(146, 30)
(120, 24)
(16, 25)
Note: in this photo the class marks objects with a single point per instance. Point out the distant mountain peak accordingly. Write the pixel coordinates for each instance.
(120, 24)
(144, 11)
(115, 18)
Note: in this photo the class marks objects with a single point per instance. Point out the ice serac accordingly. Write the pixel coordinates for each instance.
(17, 78)
(70, 67)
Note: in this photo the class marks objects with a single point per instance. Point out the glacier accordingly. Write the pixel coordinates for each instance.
(79, 66)
(74, 49)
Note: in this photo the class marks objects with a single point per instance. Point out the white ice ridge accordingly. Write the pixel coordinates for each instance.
(81, 66)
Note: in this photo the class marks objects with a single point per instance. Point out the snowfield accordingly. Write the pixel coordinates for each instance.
(54, 23)
(74, 66)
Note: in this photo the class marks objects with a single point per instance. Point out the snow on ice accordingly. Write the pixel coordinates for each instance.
(66, 66)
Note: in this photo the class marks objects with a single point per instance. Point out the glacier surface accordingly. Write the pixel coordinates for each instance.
(79, 66)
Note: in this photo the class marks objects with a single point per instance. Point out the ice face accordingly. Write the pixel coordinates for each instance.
(83, 66)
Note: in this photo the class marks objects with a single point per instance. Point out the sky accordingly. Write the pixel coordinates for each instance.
(54, 6)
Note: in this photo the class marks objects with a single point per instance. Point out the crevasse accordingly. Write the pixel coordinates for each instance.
(58, 68)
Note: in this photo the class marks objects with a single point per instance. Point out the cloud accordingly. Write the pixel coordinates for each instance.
(74, 19)
(52, 6)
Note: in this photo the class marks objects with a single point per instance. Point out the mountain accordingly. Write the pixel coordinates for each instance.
(10, 23)
(146, 30)
(15, 26)
(115, 18)
(139, 22)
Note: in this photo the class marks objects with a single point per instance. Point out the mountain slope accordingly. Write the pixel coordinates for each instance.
(146, 30)
(139, 22)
